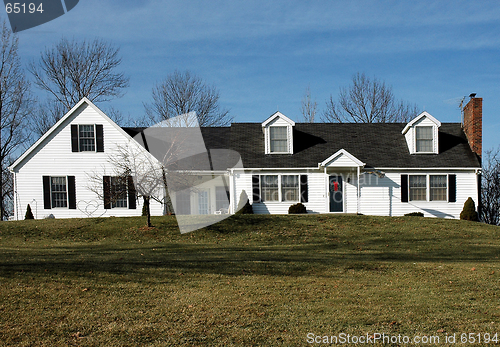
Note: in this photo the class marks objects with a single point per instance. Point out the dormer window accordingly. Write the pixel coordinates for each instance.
(279, 139)
(278, 134)
(424, 139)
(422, 134)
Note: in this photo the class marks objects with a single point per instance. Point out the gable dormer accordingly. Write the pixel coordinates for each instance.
(422, 134)
(278, 134)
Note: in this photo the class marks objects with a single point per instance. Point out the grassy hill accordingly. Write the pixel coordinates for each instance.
(247, 281)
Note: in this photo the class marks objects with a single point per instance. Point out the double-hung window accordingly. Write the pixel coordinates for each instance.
(58, 191)
(424, 139)
(279, 139)
(438, 187)
(270, 188)
(86, 137)
(118, 192)
(418, 187)
(290, 188)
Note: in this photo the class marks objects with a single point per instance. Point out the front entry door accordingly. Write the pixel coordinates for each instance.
(336, 194)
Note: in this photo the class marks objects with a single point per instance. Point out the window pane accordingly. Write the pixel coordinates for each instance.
(118, 192)
(438, 189)
(279, 139)
(59, 194)
(424, 133)
(290, 188)
(418, 181)
(424, 139)
(221, 198)
(203, 202)
(418, 188)
(269, 188)
(86, 137)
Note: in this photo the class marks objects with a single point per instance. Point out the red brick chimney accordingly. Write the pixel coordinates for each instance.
(473, 123)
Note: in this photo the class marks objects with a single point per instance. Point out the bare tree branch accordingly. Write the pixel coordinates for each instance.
(309, 108)
(15, 103)
(182, 93)
(72, 70)
(490, 187)
(367, 101)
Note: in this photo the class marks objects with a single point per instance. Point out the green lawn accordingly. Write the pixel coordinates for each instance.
(247, 281)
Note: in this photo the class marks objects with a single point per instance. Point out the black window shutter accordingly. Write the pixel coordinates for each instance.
(255, 188)
(46, 192)
(131, 193)
(106, 181)
(404, 188)
(452, 188)
(74, 138)
(304, 194)
(71, 193)
(99, 138)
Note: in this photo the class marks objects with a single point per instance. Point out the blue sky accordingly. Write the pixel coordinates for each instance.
(262, 55)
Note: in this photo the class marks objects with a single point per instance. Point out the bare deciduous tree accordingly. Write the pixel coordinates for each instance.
(48, 113)
(490, 188)
(72, 70)
(182, 93)
(309, 107)
(368, 101)
(15, 103)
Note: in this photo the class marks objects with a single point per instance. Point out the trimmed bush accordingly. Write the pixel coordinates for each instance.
(469, 211)
(244, 206)
(297, 208)
(29, 213)
(415, 214)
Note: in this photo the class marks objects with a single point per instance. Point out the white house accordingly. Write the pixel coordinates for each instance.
(377, 169)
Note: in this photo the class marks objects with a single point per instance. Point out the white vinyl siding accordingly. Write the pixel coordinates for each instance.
(54, 157)
(382, 196)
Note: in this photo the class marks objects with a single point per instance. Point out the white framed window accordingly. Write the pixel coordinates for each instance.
(86, 137)
(118, 192)
(424, 139)
(428, 187)
(290, 188)
(278, 137)
(58, 191)
(438, 187)
(281, 188)
(418, 188)
(269, 188)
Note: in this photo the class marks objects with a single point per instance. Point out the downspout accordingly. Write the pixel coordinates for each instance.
(357, 202)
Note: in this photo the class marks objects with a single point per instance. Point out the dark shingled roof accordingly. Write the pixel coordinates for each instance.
(379, 145)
